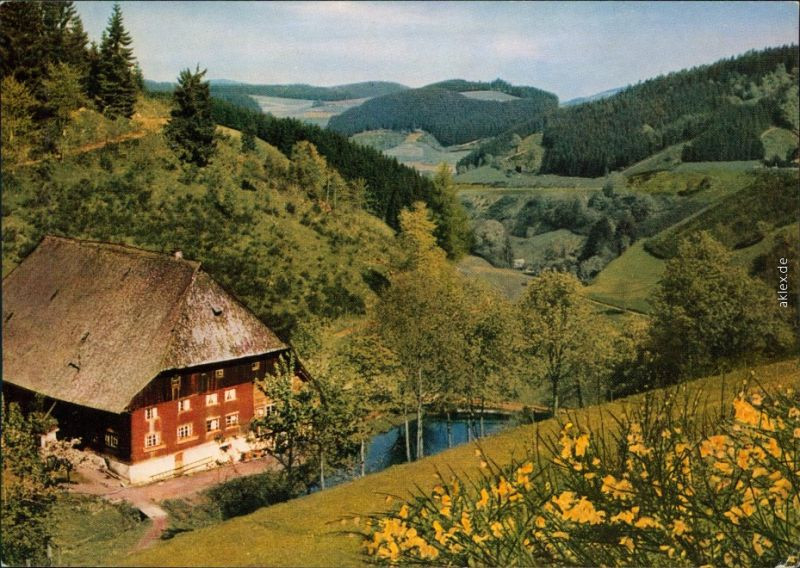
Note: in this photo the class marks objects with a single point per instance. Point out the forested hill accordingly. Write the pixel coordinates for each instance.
(722, 108)
(363, 90)
(520, 91)
(390, 186)
(449, 116)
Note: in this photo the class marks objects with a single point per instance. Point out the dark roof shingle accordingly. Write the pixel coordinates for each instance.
(93, 323)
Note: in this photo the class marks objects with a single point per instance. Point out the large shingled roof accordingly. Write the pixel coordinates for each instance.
(93, 323)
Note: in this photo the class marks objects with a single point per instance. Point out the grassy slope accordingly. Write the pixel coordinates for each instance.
(312, 530)
(629, 280)
(91, 532)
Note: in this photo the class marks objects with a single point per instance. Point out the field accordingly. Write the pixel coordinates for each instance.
(629, 280)
(315, 112)
(778, 142)
(322, 525)
(416, 149)
(493, 177)
(92, 532)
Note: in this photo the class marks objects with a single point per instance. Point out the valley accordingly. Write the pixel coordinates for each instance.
(429, 318)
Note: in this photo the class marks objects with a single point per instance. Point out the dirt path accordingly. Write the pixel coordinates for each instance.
(147, 498)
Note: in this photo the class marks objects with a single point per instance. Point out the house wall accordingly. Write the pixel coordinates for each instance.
(157, 410)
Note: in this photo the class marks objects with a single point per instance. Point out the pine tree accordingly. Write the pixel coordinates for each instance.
(191, 128)
(116, 81)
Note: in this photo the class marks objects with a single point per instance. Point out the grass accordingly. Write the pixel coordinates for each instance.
(89, 531)
(488, 176)
(666, 159)
(315, 531)
(315, 112)
(629, 280)
(510, 282)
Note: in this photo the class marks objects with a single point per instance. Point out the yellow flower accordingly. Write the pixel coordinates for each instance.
(621, 489)
(796, 433)
(647, 522)
(581, 444)
(759, 542)
(627, 542)
(466, 523)
(539, 522)
(526, 469)
(679, 528)
(478, 539)
(403, 511)
(624, 517)
(497, 529)
(560, 534)
(773, 448)
(484, 500)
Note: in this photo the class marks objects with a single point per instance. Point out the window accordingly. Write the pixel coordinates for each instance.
(150, 413)
(269, 409)
(151, 440)
(176, 387)
(255, 366)
(230, 394)
(231, 420)
(184, 405)
(212, 424)
(184, 431)
(211, 399)
(219, 373)
(112, 440)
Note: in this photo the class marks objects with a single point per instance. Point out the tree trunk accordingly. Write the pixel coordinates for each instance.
(420, 449)
(449, 431)
(555, 396)
(322, 470)
(483, 408)
(363, 458)
(408, 435)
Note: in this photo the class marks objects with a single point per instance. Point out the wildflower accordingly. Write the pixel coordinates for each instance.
(627, 542)
(539, 522)
(526, 469)
(484, 500)
(478, 539)
(497, 529)
(647, 522)
(625, 516)
(580, 444)
(403, 513)
(560, 534)
(759, 542)
(466, 523)
(679, 528)
(621, 489)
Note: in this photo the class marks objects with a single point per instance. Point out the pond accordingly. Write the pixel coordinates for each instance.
(389, 448)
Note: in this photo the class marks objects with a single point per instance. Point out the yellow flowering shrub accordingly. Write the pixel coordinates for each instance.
(659, 490)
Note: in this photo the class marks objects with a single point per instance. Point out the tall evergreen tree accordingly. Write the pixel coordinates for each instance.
(116, 80)
(191, 128)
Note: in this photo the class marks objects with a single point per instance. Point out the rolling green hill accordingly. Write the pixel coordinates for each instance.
(323, 524)
(736, 94)
(446, 114)
(361, 90)
(287, 255)
(740, 108)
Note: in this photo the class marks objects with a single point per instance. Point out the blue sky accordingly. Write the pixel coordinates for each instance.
(570, 48)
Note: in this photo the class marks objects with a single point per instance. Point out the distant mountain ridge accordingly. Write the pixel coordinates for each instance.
(365, 89)
(591, 98)
(442, 111)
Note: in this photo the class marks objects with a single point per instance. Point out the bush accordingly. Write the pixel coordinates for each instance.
(244, 495)
(661, 490)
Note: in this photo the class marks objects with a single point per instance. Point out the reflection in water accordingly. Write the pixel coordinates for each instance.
(389, 448)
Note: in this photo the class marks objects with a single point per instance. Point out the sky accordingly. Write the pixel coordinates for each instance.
(572, 49)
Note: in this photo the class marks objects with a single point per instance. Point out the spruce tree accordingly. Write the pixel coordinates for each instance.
(191, 128)
(116, 81)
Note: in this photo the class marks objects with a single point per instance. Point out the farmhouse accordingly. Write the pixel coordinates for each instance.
(141, 355)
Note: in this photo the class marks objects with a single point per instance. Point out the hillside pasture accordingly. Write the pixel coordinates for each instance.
(416, 149)
(326, 525)
(629, 280)
(314, 112)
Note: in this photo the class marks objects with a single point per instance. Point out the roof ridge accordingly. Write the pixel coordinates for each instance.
(175, 315)
(120, 247)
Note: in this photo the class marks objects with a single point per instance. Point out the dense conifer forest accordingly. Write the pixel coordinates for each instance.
(451, 117)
